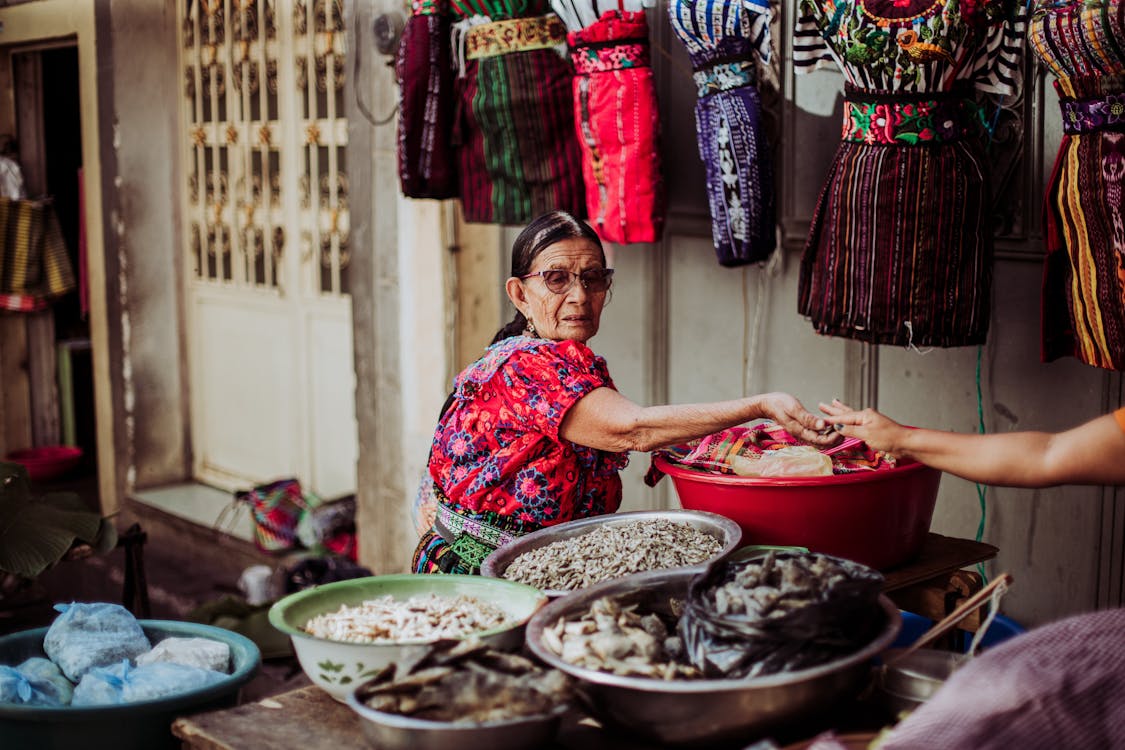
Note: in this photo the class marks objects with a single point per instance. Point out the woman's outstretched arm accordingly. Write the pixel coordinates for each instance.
(1091, 453)
(606, 420)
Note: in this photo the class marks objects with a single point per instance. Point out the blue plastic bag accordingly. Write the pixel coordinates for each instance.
(38, 668)
(85, 636)
(24, 690)
(124, 683)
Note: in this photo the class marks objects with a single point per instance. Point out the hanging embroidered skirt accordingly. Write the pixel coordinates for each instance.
(735, 154)
(900, 248)
(1084, 228)
(518, 150)
(426, 161)
(618, 128)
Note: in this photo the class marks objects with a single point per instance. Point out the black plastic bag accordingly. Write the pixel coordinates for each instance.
(800, 610)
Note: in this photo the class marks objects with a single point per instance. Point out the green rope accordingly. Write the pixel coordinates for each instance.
(981, 489)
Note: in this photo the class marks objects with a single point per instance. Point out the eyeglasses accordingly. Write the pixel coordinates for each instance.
(559, 280)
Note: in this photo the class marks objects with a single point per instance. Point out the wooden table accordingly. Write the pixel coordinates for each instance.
(309, 718)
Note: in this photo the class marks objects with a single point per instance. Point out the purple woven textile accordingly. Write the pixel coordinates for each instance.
(724, 41)
(1057, 686)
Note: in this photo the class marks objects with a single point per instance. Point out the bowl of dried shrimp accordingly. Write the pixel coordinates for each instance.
(575, 555)
(346, 632)
(619, 642)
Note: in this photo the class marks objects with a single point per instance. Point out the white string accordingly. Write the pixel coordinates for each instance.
(993, 610)
(772, 269)
(910, 341)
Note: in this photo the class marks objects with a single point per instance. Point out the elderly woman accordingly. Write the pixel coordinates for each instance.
(535, 433)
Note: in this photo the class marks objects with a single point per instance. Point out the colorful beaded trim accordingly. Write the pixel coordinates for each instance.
(515, 35)
(456, 526)
(909, 123)
(427, 7)
(1092, 115)
(724, 76)
(589, 59)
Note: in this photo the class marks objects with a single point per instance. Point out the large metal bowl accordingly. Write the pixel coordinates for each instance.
(701, 711)
(722, 528)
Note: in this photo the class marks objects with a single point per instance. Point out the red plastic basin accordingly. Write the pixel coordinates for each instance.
(48, 461)
(878, 518)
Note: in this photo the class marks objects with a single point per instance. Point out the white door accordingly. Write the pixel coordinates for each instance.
(266, 242)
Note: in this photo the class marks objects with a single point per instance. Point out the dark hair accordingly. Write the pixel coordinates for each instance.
(544, 231)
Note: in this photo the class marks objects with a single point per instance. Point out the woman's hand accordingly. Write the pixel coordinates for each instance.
(879, 432)
(798, 421)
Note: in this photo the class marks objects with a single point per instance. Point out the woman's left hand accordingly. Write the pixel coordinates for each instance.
(798, 421)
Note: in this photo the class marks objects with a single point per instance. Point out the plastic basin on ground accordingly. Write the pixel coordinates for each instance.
(878, 518)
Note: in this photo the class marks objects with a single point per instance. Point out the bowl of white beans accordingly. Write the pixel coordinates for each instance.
(345, 632)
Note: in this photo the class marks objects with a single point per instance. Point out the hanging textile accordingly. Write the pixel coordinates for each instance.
(424, 67)
(34, 266)
(900, 248)
(1082, 43)
(615, 113)
(724, 41)
(518, 155)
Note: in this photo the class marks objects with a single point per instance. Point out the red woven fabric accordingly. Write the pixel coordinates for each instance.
(618, 128)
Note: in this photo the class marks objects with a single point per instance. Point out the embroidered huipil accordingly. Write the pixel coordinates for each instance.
(900, 247)
(497, 458)
(618, 127)
(1083, 45)
(424, 68)
(723, 40)
(518, 154)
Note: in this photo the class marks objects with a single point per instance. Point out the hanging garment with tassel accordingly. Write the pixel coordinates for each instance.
(616, 116)
(724, 41)
(34, 266)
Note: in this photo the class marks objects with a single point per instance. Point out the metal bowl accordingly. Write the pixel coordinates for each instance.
(905, 684)
(722, 528)
(701, 711)
(387, 731)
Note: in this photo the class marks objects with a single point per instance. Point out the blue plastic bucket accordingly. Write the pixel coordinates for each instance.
(914, 626)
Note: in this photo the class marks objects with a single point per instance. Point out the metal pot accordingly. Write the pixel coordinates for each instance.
(906, 683)
(701, 711)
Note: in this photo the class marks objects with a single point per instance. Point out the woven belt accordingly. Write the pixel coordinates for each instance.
(724, 76)
(515, 35)
(1093, 115)
(914, 122)
(604, 57)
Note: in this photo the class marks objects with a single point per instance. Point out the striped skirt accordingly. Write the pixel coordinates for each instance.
(519, 153)
(1084, 231)
(900, 248)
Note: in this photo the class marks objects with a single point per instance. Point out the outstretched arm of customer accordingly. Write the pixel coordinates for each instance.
(1092, 453)
(606, 420)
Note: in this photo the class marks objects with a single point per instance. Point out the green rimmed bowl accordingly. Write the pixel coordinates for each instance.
(337, 667)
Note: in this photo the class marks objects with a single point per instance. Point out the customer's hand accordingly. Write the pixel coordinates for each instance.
(798, 421)
(878, 431)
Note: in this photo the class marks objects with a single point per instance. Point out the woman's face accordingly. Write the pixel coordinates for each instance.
(574, 314)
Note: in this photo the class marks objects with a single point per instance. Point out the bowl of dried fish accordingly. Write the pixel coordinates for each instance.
(345, 632)
(621, 642)
(574, 555)
(461, 694)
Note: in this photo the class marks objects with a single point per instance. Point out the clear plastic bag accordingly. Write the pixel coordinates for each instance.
(791, 461)
(193, 652)
(85, 636)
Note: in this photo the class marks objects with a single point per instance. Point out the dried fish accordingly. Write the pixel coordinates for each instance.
(620, 640)
(476, 685)
(613, 550)
(423, 617)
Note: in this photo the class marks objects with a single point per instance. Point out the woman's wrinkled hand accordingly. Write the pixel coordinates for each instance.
(878, 431)
(798, 421)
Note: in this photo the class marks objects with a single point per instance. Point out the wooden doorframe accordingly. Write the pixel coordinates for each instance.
(87, 26)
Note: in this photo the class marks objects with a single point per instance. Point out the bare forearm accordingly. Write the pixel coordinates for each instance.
(606, 420)
(1015, 459)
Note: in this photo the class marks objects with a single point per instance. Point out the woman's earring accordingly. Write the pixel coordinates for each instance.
(530, 330)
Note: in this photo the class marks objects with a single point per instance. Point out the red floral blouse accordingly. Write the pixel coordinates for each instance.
(498, 449)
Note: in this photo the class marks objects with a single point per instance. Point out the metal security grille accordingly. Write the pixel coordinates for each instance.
(265, 138)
